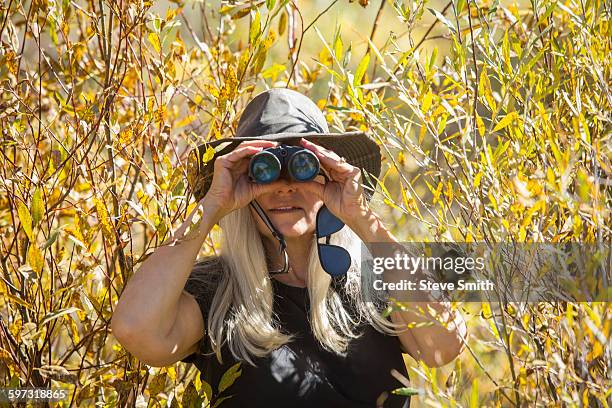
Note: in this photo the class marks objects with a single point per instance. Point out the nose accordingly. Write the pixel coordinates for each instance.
(285, 186)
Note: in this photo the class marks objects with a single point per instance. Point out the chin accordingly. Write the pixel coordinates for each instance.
(295, 234)
(294, 230)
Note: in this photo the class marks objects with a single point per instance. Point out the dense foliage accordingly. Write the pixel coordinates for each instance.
(494, 119)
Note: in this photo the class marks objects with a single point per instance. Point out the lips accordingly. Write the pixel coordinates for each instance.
(285, 209)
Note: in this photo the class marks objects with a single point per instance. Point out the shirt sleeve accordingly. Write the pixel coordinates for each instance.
(202, 284)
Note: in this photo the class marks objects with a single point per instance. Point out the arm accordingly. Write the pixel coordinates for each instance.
(155, 319)
(435, 344)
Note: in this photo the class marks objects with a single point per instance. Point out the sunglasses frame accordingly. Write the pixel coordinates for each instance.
(327, 244)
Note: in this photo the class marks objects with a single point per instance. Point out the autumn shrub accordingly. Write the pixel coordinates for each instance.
(493, 118)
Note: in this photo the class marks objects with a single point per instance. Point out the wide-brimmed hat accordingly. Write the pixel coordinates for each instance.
(284, 115)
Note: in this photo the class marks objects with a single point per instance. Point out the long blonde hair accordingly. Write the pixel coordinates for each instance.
(241, 313)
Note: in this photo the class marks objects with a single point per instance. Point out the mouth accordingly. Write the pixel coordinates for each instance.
(285, 209)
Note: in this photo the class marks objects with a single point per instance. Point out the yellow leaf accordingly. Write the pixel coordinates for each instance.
(107, 229)
(477, 179)
(427, 102)
(338, 47)
(186, 120)
(449, 192)
(273, 71)
(74, 331)
(506, 121)
(35, 258)
(269, 41)
(480, 125)
(26, 220)
(282, 23)
(210, 153)
(361, 69)
(474, 394)
(17, 300)
(154, 40)
(484, 88)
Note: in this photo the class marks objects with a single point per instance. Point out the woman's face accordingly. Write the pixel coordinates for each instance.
(291, 208)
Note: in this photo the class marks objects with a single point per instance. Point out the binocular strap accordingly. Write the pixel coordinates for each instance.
(276, 234)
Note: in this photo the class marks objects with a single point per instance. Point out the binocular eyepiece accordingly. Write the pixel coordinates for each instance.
(293, 162)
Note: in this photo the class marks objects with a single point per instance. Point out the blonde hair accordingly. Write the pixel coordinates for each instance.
(241, 313)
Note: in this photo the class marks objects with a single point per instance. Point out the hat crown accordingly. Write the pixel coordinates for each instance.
(281, 110)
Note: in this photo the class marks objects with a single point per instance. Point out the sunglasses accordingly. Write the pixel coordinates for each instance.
(335, 260)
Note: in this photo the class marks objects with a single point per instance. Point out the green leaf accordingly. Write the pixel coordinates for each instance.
(361, 69)
(26, 220)
(191, 399)
(405, 391)
(58, 313)
(431, 62)
(255, 30)
(52, 238)
(207, 389)
(442, 19)
(460, 6)
(229, 377)
(157, 383)
(220, 400)
(36, 207)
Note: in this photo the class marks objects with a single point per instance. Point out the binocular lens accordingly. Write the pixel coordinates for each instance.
(304, 166)
(265, 167)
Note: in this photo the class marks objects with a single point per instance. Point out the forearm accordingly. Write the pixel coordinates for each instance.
(436, 337)
(150, 300)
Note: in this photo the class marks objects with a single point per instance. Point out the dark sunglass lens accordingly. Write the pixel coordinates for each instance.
(327, 223)
(265, 167)
(335, 261)
(304, 166)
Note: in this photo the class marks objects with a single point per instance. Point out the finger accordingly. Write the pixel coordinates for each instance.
(240, 153)
(353, 182)
(258, 143)
(329, 159)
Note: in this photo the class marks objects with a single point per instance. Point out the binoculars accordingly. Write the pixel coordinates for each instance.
(291, 162)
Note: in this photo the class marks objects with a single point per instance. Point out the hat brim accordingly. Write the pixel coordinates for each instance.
(357, 148)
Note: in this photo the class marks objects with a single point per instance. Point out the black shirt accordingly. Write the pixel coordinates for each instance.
(301, 373)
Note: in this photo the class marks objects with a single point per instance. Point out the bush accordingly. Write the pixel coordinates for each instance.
(502, 133)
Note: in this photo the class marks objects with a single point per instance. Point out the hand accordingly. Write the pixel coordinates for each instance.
(231, 188)
(343, 193)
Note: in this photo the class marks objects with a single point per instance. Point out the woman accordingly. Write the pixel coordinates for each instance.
(302, 338)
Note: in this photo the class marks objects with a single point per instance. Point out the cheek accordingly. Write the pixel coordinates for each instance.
(311, 213)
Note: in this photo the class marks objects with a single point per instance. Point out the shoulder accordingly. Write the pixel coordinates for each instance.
(208, 266)
(205, 276)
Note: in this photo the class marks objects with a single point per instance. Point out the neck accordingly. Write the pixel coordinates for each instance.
(298, 251)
